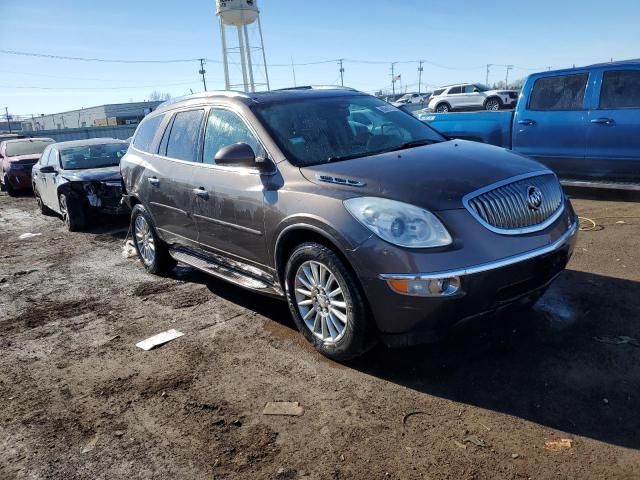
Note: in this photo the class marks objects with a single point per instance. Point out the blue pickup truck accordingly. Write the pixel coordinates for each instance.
(584, 123)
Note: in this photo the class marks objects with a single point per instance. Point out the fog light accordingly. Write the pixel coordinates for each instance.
(434, 287)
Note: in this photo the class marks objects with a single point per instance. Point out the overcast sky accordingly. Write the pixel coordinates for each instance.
(458, 38)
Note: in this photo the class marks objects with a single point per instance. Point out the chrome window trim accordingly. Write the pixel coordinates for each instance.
(484, 267)
(512, 231)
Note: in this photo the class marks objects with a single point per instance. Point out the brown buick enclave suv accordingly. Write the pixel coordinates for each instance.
(370, 223)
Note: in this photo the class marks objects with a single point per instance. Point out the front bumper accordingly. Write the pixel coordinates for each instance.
(19, 179)
(484, 288)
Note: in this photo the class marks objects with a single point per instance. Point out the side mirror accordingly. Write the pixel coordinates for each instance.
(238, 154)
(476, 90)
(47, 169)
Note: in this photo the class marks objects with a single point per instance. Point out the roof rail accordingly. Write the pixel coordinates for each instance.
(315, 87)
(208, 94)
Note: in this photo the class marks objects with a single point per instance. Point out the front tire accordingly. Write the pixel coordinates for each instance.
(493, 104)
(9, 188)
(326, 302)
(443, 108)
(152, 251)
(72, 213)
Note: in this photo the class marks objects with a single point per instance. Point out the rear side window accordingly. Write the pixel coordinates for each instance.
(226, 128)
(620, 89)
(182, 143)
(454, 90)
(440, 91)
(146, 132)
(564, 92)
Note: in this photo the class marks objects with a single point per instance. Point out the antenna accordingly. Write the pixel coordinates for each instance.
(241, 14)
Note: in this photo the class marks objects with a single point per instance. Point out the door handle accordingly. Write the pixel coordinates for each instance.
(154, 181)
(201, 192)
(527, 122)
(603, 121)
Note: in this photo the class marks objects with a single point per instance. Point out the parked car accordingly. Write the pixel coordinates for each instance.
(17, 157)
(80, 179)
(370, 223)
(471, 96)
(412, 98)
(583, 123)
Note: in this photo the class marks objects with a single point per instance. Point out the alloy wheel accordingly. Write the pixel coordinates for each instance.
(493, 105)
(321, 302)
(144, 240)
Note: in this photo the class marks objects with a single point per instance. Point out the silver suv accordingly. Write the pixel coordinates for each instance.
(471, 96)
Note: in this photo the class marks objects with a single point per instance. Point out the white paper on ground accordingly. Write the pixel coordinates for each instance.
(159, 339)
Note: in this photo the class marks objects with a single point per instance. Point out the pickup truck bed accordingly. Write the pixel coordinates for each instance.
(583, 123)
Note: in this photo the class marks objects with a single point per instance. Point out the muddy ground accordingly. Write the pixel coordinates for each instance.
(79, 400)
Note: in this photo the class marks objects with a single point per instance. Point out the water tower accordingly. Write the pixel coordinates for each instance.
(241, 14)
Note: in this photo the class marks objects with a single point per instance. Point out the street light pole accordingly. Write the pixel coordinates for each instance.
(506, 78)
(420, 69)
(486, 81)
(393, 77)
(341, 72)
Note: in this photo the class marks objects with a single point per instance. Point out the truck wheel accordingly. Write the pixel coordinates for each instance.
(493, 104)
(152, 251)
(3, 186)
(72, 214)
(326, 302)
(443, 108)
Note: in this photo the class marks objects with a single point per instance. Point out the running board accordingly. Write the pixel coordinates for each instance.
(570, 182)
(226, 273)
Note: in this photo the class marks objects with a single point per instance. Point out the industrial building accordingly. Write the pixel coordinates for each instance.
(100, 116)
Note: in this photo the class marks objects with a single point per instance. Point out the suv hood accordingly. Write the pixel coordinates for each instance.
(93, 174)
(25, 158)
(435, 177)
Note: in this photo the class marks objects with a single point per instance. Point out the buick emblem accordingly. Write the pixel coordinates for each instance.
(534, 197)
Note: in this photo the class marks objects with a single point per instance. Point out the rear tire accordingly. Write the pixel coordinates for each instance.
(72, 214)
(152, 251)
(327, 303)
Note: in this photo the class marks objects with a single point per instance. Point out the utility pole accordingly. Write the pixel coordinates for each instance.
(420, 70)
(486, 81)
(202, 71)
(6, 111)
(506, 78)
(393, 77)
(341, 72)
(293, 70)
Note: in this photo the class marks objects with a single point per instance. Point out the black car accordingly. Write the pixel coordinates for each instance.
(370, 223)
(80, 180)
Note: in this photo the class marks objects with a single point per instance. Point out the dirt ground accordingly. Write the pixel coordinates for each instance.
(79, 400)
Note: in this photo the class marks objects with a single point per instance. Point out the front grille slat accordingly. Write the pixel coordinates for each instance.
(506, 208)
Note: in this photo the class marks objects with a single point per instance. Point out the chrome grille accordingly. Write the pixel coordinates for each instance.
(512, 206)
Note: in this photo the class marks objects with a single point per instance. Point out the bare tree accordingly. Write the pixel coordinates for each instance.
(157, 96)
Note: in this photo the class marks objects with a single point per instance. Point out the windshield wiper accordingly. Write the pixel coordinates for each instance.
(414, 143)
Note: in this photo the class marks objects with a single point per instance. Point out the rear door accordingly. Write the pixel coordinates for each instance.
(230, 209)
(550, 123)
(170, 177)
(613, 140)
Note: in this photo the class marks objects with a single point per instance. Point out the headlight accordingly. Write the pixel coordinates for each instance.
(399, 223)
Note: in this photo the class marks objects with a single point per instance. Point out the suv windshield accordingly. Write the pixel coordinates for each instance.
(26, 147)
(315, 131)
(92, 156)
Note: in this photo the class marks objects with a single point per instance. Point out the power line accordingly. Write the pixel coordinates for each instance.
(96, 88)
(64, 77)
